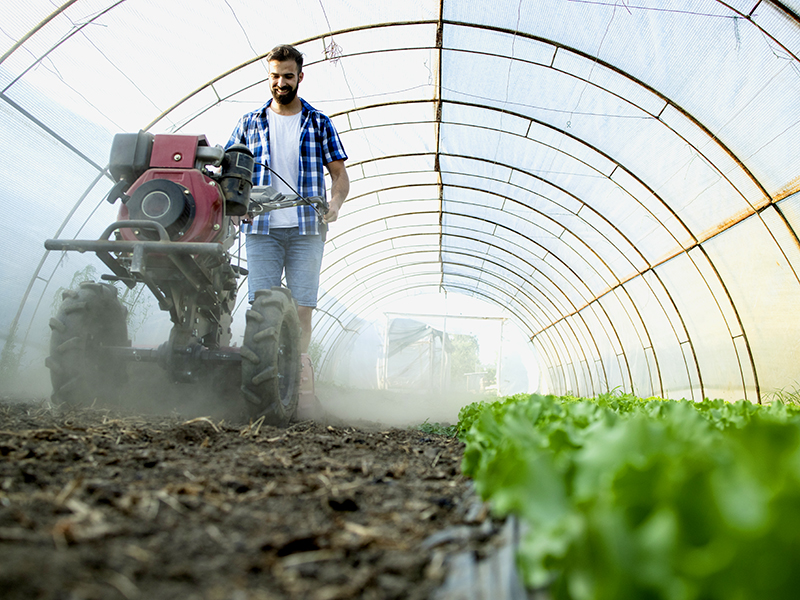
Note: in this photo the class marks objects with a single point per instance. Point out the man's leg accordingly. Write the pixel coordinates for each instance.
(265, 258)
(303, 263)
(304, 312)
(308, 405)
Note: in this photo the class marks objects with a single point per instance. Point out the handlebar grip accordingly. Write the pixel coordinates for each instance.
(323, 204)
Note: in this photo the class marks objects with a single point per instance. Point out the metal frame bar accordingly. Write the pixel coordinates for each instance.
(439, 103)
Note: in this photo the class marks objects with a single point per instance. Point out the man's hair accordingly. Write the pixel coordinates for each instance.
(286, 52)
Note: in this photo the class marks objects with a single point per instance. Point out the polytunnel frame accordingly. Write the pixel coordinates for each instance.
(439, 46)
(668, 102)
(512, 168)
(619, 284)
(540, 327)
(455, 234)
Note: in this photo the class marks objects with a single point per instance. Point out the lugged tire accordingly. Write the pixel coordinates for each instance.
(271, 357)
(89, 319)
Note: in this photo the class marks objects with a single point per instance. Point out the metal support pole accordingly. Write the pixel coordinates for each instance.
(442, 361)
(499, 372)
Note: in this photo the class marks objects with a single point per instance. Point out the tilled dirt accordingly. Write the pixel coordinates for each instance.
(104, 504)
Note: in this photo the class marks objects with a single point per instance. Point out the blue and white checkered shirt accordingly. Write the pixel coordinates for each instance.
(319, 145)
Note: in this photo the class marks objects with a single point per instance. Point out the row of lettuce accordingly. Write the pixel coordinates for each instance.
(622, 497)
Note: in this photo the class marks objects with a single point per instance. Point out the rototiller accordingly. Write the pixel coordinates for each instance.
(174, 233)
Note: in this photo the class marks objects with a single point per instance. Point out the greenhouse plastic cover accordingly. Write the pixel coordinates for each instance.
(619, 176)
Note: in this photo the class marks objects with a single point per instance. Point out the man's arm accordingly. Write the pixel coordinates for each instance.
(340, 187)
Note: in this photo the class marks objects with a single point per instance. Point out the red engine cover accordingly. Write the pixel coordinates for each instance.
(173, 159)
(172, 151)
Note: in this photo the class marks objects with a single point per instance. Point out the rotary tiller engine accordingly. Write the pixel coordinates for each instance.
(173, 234)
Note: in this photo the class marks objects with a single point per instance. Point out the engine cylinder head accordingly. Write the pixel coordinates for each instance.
(164, 202)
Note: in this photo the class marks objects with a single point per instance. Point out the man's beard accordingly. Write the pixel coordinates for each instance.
(284, 98)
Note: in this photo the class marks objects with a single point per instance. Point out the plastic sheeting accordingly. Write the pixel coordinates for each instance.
(619, 176)
(415, 357)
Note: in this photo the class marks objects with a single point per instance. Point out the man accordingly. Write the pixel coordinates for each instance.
(297, 142)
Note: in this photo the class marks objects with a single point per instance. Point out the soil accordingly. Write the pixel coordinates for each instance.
(112, 503)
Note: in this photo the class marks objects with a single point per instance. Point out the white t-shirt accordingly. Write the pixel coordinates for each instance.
(284, 150)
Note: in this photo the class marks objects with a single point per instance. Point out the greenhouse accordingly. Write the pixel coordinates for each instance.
(604, 193)
(618, 177)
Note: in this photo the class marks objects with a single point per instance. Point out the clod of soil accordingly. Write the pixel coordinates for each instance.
(99, 504)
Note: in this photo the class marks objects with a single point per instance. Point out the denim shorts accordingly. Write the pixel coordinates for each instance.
(285, 250)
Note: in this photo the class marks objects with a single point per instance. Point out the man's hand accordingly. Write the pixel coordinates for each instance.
(331, 215)
(340, 187)
(248, 218)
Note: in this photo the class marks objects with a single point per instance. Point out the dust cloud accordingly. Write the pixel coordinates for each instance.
(150, 391)
(32, 381)
(393, 408)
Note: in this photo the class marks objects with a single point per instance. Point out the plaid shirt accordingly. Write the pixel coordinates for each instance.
(319, 145)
